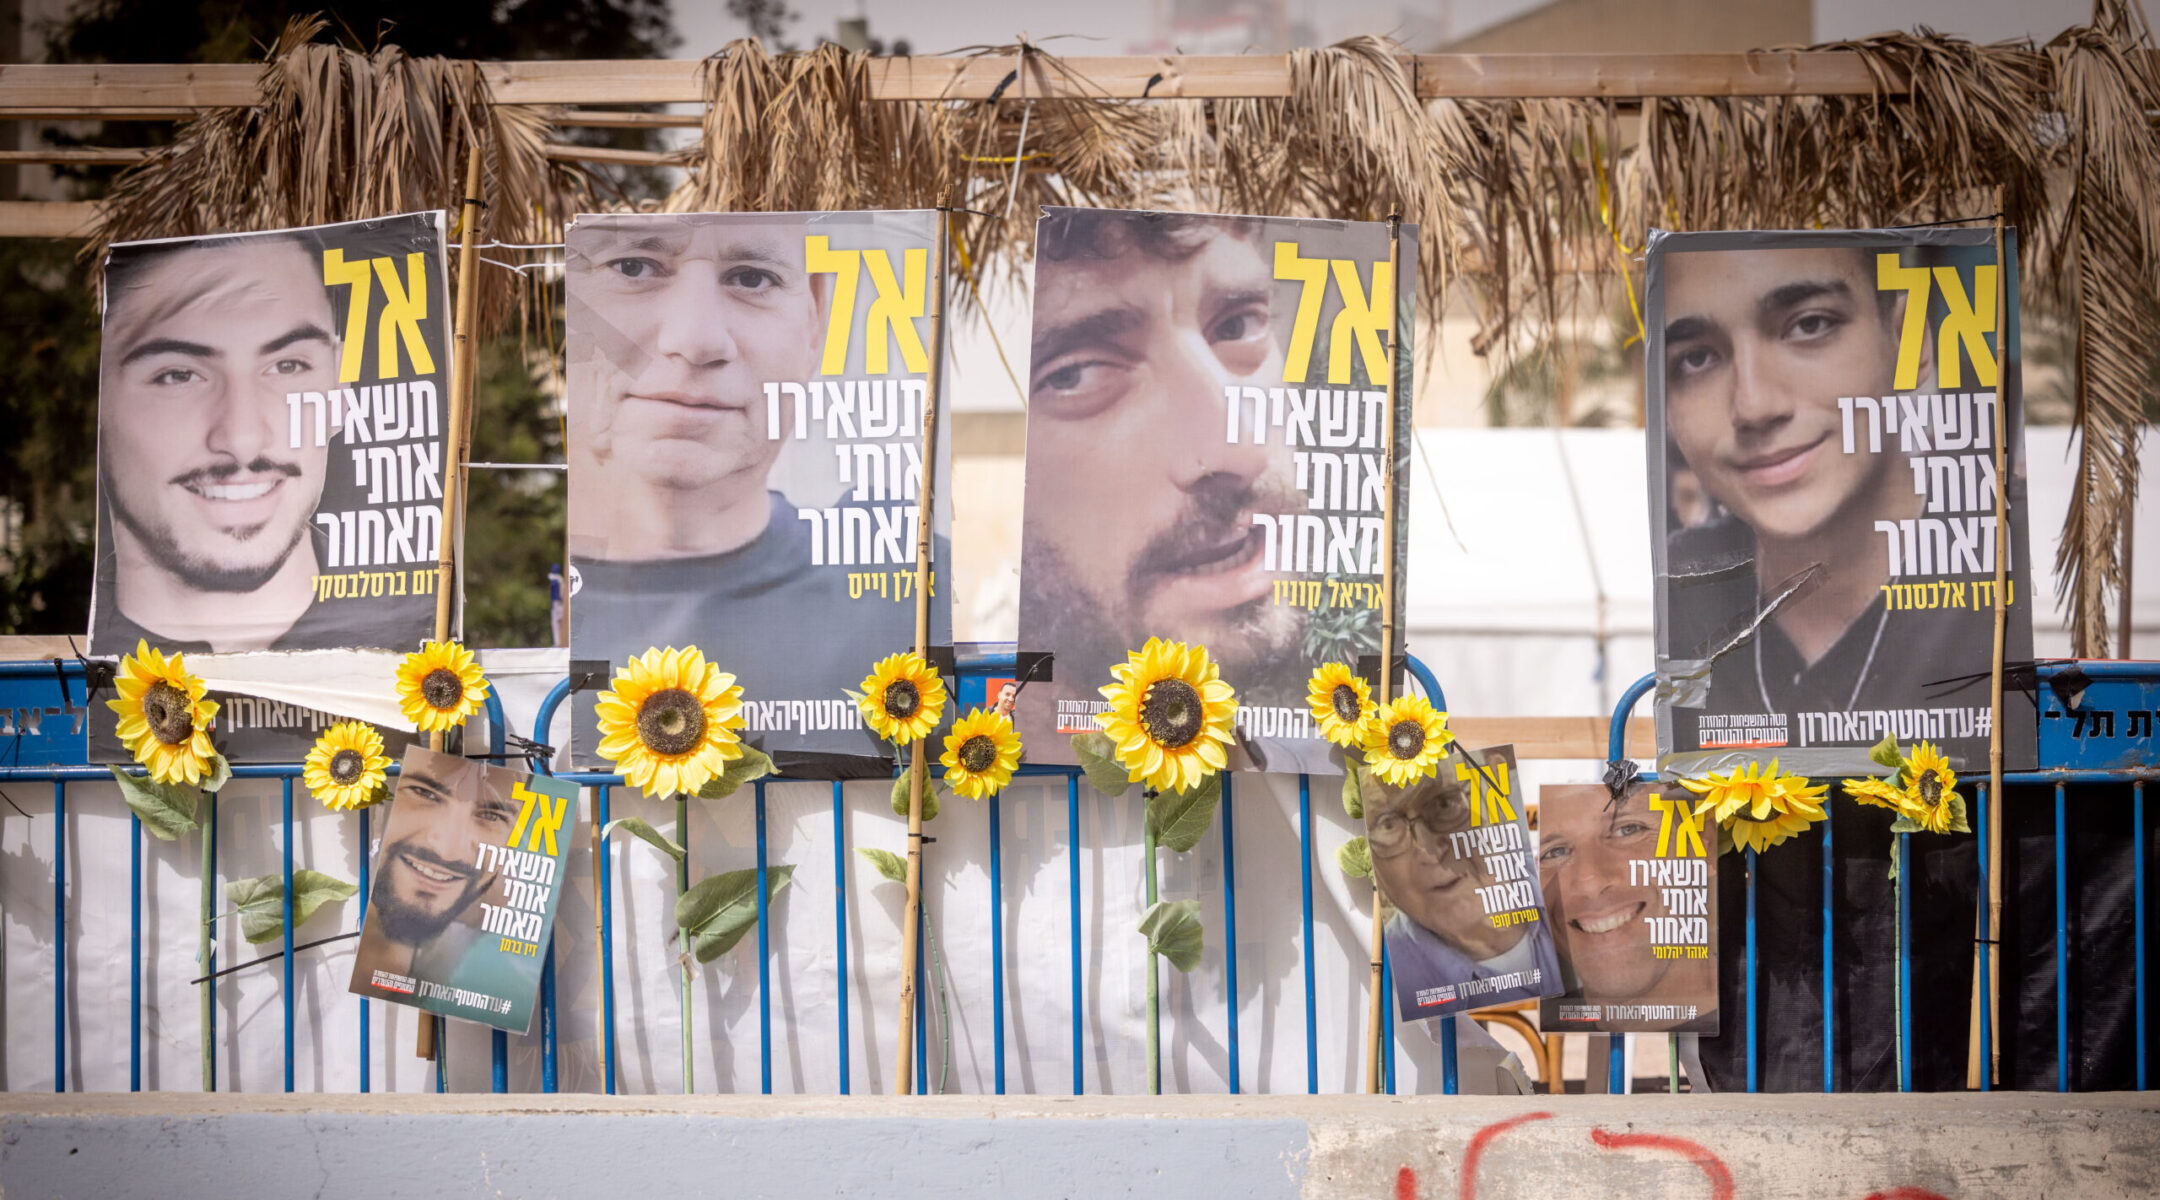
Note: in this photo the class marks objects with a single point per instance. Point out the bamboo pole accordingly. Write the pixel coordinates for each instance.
(1995, 682)
(1378, 945)
(919, 767)
(462, 359)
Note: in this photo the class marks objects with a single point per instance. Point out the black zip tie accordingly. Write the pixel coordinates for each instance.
(1152, 80)
(59, 670)
(476, 200)
(256, 962)
(1004, 83)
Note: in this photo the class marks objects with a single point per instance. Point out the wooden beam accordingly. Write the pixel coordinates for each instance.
(86, 92)
(46, 218)
(82, 157)
(571, 152)
(1555, 737)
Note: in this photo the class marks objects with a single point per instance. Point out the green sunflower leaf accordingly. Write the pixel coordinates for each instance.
(1355, 858)
(1099, 760)
(1905, 824)
(1353, 792)
(716, 911)
(220, 773)
(888, 864)
(261, 901)
(752, 766)
(1885, 754)
(1180, 818)
(167, 809)
(900, 794)
(1958, 823)
(643, 830)
(1173, 930)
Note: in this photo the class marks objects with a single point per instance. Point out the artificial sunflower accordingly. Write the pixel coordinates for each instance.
(1341, 702)
(1924, 791)
(669, 722)
(1758, 805)
(439, 686)
(346, 768)
(164, 720)
(981, 754)
(903, 699)
(1406, 740)
(1170, 715)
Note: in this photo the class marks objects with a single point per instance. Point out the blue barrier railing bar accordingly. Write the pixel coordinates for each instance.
(764, 950)
(1312, 1011)
(499, 1059)
(997, 949)
(840, 979)
(1752, 1007)
(498, 1040)
(1450, 1078)
(1829, 951)
(209, 967)
(60, 956)
(1387, 1022)
(2062, 945)
(135, 952)
(603, 812)
(2137, 926)
(285, 788)
(365, 1032)
(548, 1041)
(1616, 1079)
(1229, 912)
(1072, 886)
(1904, 962)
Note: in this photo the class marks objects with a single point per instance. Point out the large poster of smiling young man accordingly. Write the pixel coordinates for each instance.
(1822, 411)
(1207, 418)
(270, 432)
(746, 398)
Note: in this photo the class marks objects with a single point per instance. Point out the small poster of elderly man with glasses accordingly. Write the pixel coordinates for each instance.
(1452, 857)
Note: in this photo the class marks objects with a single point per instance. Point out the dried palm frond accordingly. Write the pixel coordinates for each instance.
(2106, 86)
(338, 135)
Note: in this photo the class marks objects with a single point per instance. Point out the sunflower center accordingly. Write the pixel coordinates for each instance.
(1406, 739)
(442, 688)
(902, 699)
(1344, 699)
(166, 710)
(978, 753)
(671, 721)
(1172, 713)
(345, 766)
(1931, 788)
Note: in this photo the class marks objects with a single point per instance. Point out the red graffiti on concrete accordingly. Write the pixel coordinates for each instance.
(1712, 1167)
(1706, 1160)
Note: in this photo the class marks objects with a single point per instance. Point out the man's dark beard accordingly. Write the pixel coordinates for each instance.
(1058, 613)
(411, 925)
(196, 573)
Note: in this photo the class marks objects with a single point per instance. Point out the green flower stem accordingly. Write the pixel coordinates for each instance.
(682, 884)
(1154, 1012)
(205, 950)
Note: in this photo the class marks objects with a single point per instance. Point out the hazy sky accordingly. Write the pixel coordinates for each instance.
(1125, 26)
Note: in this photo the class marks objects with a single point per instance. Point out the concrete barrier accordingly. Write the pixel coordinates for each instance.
(113, 1147)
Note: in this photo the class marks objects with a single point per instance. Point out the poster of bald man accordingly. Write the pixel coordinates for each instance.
(270, 432)
(746, 400)
(1826, 411)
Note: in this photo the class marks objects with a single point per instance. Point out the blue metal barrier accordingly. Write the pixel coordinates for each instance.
(57, 755)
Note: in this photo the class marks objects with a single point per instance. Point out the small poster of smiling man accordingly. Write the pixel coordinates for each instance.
(1628, 885)
(1824, 410)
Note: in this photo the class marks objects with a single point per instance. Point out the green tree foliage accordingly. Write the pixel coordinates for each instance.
(48, 379)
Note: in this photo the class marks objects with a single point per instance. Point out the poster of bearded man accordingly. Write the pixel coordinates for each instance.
(1208, 425)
